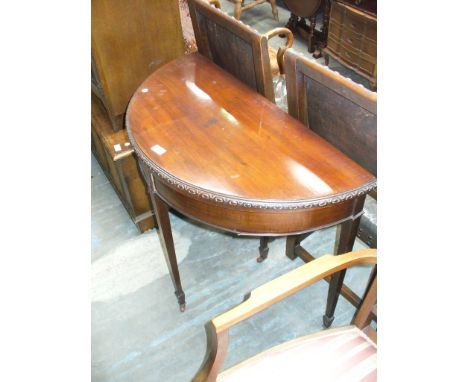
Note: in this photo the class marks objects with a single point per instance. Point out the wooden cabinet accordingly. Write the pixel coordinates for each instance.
(115, 155)
(352, 37)
(129, 40)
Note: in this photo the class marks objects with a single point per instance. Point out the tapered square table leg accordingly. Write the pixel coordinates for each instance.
(167, 243)
(346, 234)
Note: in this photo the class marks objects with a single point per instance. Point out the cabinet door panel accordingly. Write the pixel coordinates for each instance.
(130, 39)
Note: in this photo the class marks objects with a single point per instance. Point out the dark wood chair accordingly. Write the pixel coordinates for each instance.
(345, 114)
(305, 358)
(240, 50)
(236, 47)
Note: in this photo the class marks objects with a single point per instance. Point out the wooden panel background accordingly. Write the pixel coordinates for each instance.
(346, 125)
(233, 46)
(230, 52)
(130, 39)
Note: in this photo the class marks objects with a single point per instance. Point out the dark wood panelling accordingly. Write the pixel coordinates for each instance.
(129, 40)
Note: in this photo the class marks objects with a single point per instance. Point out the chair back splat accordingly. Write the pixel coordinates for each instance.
(233, 46)
(339, 110)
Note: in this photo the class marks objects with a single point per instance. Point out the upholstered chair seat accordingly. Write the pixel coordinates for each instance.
(342, 354)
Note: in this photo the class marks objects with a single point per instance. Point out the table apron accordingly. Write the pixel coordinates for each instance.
(258, 221)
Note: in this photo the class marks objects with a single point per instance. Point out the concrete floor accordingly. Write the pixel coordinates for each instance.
(138, 333)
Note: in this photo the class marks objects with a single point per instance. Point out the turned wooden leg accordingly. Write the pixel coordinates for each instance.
(263, 249)
(372, 277)
(326, 18)
(311, 39)
(291, 25)
(237, 9)
(274, 10)
(345, 235)
(167, 243)
(292, 22)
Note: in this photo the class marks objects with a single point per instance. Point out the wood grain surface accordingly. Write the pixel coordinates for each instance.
(130, 39)
(203, 129)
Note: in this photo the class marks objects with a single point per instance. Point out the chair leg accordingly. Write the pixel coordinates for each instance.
(334, 289)
(293, 241)
(274, 10)
(237, 9)
(263, 249)
(372, 277)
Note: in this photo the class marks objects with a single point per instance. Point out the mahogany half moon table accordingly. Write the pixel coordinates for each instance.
(218, 152)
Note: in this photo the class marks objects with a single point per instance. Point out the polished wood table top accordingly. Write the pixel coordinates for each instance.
(208, 134)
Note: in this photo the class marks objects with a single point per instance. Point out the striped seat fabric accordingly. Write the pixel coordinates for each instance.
(343, 354)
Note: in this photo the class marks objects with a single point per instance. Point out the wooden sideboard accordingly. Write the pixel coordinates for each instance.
(115, 154)
(352, 37)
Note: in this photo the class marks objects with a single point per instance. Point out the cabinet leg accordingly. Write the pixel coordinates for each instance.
(167, 243)
(311, 40)
(345, 236)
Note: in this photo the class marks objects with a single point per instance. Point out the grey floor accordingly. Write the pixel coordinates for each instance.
(138, 333)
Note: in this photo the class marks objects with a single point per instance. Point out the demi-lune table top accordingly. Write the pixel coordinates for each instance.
(202, 129)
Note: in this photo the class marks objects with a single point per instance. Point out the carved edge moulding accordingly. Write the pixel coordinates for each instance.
(218, 198)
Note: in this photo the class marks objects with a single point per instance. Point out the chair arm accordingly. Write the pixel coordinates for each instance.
(217, 330)
(290, 283)
(289, 42)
